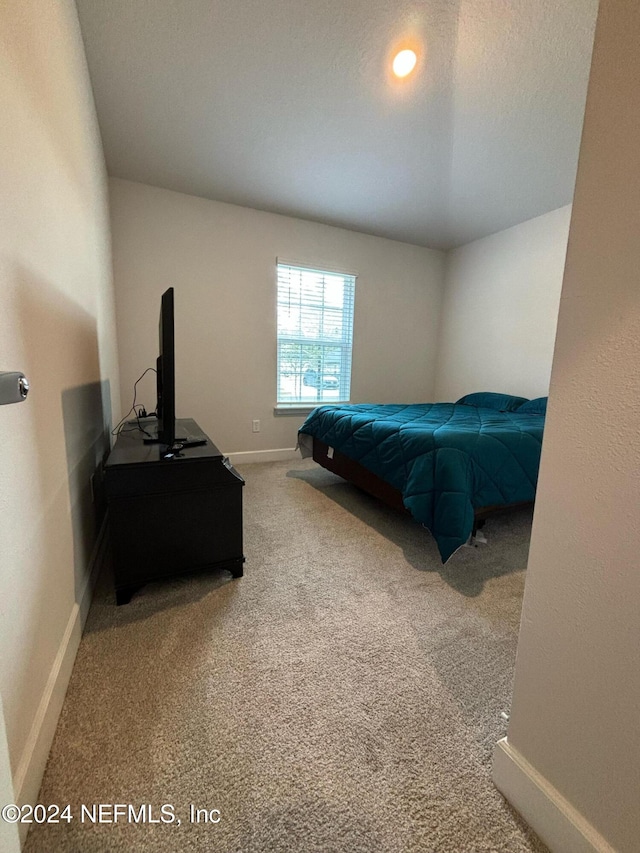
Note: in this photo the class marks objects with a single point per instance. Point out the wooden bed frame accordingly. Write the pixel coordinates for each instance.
(357, 474)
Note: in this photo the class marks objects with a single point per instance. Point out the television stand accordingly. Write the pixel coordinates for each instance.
(181, 441)
(170, 515)
(177, 446)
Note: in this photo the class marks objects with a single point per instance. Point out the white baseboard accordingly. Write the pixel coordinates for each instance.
(284, 454)
(562, 828)
(30, 770)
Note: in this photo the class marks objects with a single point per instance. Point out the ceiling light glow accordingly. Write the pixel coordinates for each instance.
(404, 63)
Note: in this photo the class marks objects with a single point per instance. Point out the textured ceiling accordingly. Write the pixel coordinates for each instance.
(289, 106)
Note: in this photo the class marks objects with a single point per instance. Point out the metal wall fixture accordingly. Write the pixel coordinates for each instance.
(14, 387)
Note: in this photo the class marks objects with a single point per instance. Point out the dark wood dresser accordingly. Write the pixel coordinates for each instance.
(171, 515)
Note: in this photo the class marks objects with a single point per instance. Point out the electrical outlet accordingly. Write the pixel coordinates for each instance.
(256, 425)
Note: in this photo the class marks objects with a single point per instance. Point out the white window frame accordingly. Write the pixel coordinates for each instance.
(318, 395)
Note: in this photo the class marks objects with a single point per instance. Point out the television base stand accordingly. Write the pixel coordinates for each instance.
(179, 444)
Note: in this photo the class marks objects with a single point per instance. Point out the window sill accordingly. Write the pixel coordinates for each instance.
(302, 408)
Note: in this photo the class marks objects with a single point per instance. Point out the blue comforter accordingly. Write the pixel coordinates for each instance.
(446, 459)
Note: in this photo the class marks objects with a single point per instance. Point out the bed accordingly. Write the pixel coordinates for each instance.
(448, 464)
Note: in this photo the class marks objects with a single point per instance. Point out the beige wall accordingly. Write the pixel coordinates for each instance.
(221, 260)
(576, 702)
(57, 324)
(500, 309)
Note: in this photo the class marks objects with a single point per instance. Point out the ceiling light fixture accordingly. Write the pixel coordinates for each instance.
(404, 63)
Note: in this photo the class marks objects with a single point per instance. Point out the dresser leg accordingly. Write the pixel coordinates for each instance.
(237, 571)
(123, 596)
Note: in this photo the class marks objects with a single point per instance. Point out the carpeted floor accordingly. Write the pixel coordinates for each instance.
(345, 695)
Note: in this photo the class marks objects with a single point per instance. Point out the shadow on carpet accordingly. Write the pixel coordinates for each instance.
(468, 570)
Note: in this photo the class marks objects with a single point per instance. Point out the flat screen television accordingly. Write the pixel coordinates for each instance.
(166, 373)
(165, 434)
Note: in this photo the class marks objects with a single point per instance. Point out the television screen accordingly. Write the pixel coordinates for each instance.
(165, 433)
(166, 377)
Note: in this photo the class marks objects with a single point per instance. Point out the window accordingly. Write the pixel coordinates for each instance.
(315, 333)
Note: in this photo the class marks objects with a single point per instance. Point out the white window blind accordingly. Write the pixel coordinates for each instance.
(315, 335)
